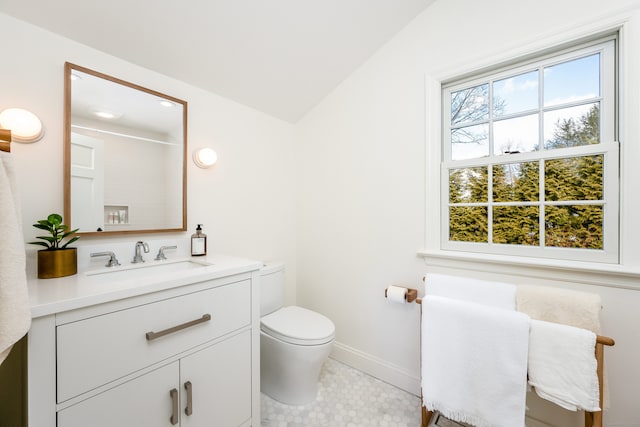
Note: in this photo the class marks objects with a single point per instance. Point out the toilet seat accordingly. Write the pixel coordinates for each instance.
(297, 325)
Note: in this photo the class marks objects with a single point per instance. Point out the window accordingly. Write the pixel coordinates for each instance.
(530, 158)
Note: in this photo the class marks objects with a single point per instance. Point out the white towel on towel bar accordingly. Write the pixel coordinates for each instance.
(15, 315)
(563, 366)
(485, 292)
(474, 362)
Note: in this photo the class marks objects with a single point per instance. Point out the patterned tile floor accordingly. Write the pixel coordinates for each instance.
(346, 398)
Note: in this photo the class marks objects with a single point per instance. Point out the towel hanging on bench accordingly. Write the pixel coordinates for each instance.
(563, 366)
(474, 362)
(558, 305)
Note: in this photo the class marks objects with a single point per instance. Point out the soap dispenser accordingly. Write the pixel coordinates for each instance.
(198, 242)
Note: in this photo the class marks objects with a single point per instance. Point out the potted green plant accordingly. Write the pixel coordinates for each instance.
(57, 260)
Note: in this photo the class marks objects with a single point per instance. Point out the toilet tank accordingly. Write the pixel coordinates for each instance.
(271, 287)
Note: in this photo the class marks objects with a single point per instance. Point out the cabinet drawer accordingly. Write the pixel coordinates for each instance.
(98, 350)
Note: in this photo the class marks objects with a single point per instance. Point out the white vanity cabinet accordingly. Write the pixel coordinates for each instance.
(210, 387)
(181, 356)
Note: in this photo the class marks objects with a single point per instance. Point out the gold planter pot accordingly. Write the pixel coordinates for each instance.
(58, 263)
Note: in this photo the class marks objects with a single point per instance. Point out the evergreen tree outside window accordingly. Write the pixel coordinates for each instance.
(530, 158)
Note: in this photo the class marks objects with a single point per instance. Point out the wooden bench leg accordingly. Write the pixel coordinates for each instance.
(588, 419)
(426, 417)
(594, 419)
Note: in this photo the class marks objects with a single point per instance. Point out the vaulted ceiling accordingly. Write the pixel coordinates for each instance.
(281, 57)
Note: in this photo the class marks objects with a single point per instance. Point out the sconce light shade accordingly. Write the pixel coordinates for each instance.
(204, 157)
(24, 125)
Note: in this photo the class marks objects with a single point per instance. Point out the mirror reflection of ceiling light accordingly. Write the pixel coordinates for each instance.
(166, 103)
(104, 113)
(75, 77)
(24, 125)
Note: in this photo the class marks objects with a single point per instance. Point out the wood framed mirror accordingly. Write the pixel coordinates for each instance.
(125, 146)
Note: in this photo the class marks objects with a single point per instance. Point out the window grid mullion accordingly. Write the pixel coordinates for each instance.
(540, 109)
(490, 203)
(490, 169)
(541, 210)
(541, 196)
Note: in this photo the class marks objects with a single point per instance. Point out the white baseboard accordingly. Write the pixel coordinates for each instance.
(376, 367)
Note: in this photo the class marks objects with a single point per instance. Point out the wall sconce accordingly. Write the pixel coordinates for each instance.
(204, 157)
(25, 126)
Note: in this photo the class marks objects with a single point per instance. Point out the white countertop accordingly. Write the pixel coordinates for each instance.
(49, 296)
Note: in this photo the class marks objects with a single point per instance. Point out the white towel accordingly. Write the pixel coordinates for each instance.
(563, 366)
(574, 308)
(485, 292)
(474, 362)
(15, 316)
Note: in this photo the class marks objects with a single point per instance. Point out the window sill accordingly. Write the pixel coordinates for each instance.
(612, 275)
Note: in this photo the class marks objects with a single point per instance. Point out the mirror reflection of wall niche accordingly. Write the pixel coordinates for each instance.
(132, 140)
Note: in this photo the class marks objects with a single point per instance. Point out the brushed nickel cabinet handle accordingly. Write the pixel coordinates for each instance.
(189, 408)
(174, 406)
(153, 335)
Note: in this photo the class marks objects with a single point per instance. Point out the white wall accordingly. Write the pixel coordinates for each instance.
(361, 187)
(357, 184)
(245, 201)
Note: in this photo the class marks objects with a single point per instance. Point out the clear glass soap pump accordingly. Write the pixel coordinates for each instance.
(198, 242)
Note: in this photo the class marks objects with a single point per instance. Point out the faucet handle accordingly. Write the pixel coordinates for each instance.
(113, 261)
(161, 256)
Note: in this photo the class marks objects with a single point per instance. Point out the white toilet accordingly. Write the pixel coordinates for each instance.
(294, 343)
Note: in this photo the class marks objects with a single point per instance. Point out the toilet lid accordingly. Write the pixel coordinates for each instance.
(297, 325)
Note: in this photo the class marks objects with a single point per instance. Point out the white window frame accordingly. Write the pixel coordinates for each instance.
(608, 146)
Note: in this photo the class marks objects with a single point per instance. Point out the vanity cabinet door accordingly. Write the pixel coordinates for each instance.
(220, 384)
(214, 389)
(142, 402)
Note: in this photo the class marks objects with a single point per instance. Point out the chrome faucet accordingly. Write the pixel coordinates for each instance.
(138, 257)
(161, 256)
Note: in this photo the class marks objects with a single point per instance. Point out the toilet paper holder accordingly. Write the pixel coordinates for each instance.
(410, 296)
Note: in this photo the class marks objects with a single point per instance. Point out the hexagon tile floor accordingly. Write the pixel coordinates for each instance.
(346, 398)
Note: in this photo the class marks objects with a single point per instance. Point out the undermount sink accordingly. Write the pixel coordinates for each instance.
(149, 268)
